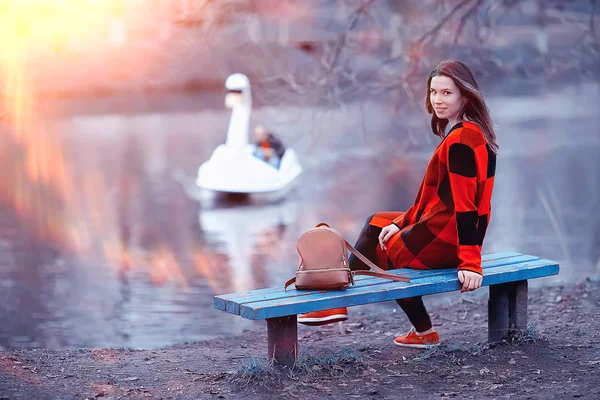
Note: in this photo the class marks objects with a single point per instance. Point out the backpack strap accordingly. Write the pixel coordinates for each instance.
(378, 272)
(288, 283)
(291, 280)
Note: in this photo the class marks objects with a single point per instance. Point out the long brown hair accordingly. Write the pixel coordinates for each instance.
(474, 110)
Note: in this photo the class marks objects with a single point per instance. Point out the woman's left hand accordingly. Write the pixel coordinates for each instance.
(469, 280)
(386, 234)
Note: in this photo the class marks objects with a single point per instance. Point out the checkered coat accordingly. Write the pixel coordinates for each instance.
(446, 225)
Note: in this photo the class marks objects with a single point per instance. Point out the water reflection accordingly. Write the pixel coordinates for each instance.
(249, 233)
(134, 256)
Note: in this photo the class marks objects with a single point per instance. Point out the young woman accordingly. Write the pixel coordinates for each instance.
(446, 225)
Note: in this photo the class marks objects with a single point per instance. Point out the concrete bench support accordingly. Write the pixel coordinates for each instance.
(282, 335)
(507, 310)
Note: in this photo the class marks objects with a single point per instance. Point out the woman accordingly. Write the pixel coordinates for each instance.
(446, 225)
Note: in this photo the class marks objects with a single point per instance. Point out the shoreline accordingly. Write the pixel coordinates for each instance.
(557, 356)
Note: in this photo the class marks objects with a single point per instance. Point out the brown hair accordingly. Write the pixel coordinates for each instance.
(474, 110)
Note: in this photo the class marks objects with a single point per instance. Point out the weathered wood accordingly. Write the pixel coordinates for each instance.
(387, 290)
(517, 307)
(230, 302)
(498, 319)
(234, 305)
(282, 335)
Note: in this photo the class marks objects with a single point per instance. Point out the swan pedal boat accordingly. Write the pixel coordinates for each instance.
(234, 171)
(233, 167)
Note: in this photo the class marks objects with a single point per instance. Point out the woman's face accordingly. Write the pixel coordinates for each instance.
(445, 97)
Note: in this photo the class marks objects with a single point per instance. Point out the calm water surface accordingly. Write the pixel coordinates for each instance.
(105, 241)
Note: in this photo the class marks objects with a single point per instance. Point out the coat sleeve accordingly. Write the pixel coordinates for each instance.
(401, 221)
(462, 172)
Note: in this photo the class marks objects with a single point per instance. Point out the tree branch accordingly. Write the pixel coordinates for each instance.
(434, 31)
(463, 19)
(362, 9)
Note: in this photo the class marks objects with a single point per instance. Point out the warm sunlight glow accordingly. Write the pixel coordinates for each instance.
(32, 24)
(55, 203)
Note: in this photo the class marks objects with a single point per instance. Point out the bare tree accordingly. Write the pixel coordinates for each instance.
(332, 51)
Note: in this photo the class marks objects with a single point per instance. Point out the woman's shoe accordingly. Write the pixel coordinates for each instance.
(413, 339)
(323, 317)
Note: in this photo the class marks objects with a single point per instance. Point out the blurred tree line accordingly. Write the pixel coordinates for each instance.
(332, 51)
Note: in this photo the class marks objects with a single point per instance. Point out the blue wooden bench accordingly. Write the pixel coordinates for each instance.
(505, 273)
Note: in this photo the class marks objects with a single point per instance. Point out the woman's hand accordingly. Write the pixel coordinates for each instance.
(386, 234)
(470, 280)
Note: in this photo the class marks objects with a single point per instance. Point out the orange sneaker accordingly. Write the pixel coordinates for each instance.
(323, 317)
(412, 339)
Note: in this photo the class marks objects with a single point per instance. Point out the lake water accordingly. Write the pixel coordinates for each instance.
(105, 241)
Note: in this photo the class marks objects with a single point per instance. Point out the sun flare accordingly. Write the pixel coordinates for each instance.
(27, 25)
(54, 203)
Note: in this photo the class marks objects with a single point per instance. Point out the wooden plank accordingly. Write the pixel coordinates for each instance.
(413, 274)
(498, 275)
(232, 306)
(392, 290)
(384, 284)
(231, 302)
(220, 300)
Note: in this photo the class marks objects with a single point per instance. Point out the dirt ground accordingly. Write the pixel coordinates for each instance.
(557, 357)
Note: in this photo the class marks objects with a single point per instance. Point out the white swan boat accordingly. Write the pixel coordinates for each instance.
(232, 167)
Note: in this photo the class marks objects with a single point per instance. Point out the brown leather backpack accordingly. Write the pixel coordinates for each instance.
(324, 262)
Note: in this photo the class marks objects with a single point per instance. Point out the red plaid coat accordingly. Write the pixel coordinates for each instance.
(446, 225)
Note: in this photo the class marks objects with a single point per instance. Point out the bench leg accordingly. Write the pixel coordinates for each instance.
(498, 313)
(507, 310)
(282, 333)
(517, 307)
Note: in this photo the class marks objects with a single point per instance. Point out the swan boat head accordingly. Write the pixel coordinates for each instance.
(238, 91)
(239, 99)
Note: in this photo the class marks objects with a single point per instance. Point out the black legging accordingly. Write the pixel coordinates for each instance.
(367, 243)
